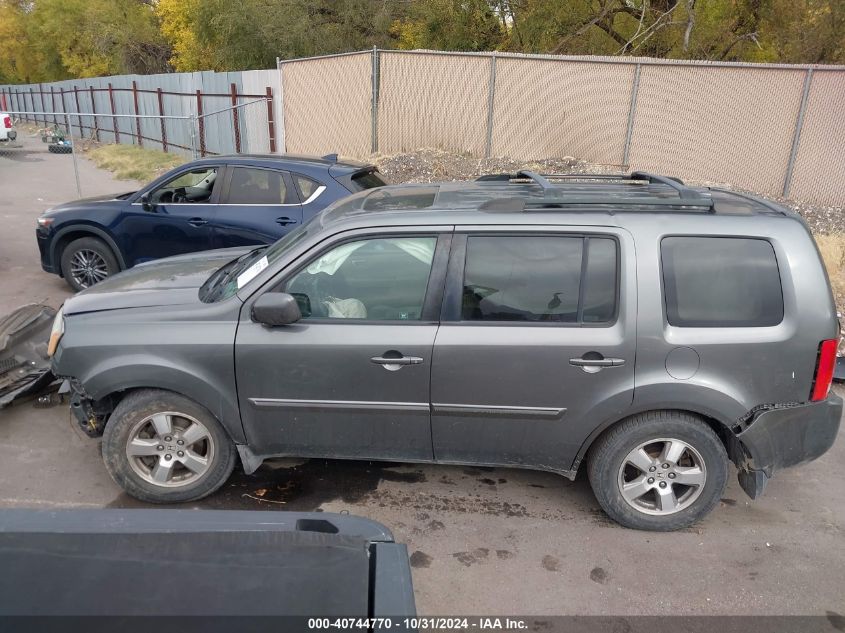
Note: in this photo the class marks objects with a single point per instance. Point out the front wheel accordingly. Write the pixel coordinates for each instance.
(660, 471)
(162, 447)
(87, 261)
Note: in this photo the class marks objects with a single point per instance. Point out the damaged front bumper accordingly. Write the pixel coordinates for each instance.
(782, 437)
(24, 364)
(90, 414)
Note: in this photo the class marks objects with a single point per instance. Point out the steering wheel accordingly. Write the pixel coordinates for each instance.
(180, 195)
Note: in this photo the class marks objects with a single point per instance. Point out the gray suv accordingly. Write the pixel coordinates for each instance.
(652, 331)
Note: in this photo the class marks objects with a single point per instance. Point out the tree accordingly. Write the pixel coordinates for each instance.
(45, 40)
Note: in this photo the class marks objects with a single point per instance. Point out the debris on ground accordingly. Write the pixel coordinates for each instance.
(24, 364)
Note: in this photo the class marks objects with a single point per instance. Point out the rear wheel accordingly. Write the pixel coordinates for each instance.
(87, 261)
(162, 447)
(662, 471)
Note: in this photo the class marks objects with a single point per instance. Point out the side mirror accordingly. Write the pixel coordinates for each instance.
(145, 202)
(275, 308)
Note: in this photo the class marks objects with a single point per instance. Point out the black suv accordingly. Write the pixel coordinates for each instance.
(218, 202)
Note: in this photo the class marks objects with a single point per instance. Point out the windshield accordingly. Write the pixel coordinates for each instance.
(226, 280)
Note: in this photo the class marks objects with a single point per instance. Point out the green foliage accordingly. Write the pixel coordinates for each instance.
(43, 40)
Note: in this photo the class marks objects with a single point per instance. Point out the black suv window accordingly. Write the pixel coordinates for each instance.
(194, 186)
(540, 279)
(256, 186)
(721, 282)
(374, 279)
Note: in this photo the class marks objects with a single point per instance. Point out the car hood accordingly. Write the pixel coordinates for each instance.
(163, 282)
(87, 202)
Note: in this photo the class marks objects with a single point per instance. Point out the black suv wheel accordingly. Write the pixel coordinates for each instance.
(87, 261)
(164, 448)
(661, 470)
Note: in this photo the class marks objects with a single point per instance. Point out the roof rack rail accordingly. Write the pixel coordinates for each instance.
(549, 189)
(519, 205)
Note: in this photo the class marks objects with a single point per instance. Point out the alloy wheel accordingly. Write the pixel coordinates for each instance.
(88, 267)
(170, 449)
(662, 476)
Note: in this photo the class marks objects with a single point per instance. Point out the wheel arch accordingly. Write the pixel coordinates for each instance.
(110, 382)
(66, 235)
(718, 423)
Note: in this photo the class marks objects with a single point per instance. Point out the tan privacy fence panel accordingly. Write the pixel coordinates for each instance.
(545, 108)
(327, 104)
(820, 163)
(719, 124)
(424, 102)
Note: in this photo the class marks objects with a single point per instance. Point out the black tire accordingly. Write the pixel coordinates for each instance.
(611, 451)
(87, 245)
(121, 427)
(58, 148)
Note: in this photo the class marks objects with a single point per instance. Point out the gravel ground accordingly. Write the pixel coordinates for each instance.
(429, 165)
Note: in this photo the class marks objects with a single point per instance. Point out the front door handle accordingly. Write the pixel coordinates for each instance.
(393, 361)
(284, 221)
(197, 221)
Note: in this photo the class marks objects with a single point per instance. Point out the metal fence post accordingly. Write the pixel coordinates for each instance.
(94, 115)
(137, 120)
(53, 106)
(796, 139)
(78, 116)
(64, 111)
(271, 124)
(161, 120)
(635, 88)
(114, 118)
(41, 99)
(374, 102)
(73, 153)
(34, 109)
(491, 97)
(235, 117)
(194, 122)
(200, 123)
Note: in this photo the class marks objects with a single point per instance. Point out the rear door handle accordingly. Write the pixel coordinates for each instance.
(597, 362)
(197, 221)
(284, 221)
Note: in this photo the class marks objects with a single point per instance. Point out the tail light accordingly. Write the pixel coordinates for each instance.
(7, 122)
(824, 369)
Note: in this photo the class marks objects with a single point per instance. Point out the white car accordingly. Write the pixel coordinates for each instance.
(7, 131)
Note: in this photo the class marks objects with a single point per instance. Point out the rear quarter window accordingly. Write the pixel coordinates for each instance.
(721, 282)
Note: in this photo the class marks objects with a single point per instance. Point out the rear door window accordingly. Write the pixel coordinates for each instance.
(257, 186)
(540, 278)
(721, 282)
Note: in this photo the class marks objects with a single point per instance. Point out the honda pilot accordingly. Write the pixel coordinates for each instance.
(649, 332)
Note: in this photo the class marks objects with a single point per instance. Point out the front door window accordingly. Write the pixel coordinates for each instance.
(195, 186)
(382, 279)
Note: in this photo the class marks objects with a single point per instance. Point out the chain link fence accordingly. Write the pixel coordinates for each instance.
(772, 128)
(232, 129)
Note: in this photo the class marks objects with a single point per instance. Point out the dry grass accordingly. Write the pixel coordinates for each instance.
(130, 162)
(832, 248)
